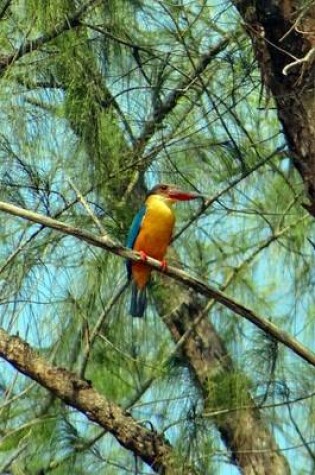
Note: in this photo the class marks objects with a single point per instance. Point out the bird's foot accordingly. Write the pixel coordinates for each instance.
(143, 256)
(163, 265)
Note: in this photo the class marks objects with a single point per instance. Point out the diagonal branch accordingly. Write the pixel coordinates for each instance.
(151, 447)
(4, 8)
(33, 45)
(197, 284)
(172, 99)
(244, 432)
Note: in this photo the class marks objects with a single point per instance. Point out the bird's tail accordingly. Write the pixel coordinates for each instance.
(138, 300)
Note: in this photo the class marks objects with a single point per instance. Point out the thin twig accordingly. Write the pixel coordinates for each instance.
(307, 58)
(86, 206)
(98, 326)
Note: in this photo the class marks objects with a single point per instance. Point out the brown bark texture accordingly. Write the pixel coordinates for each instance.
(151, 447)
(283, 36)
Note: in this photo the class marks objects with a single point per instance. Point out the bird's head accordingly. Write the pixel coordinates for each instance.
(171, 193)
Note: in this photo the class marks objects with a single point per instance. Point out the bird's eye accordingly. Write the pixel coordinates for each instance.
(163, 187)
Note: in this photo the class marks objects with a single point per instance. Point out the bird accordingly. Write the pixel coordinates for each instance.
(150, 235)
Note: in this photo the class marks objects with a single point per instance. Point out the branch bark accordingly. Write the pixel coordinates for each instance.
(151, 447)
(105, 242)
(283, 36)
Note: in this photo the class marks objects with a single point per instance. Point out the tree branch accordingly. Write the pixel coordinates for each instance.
(151, 447)
(33, 45)
(198, 285)
(171, 100)
(243, 432)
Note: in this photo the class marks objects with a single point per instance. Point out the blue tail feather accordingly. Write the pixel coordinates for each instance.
(138, 301)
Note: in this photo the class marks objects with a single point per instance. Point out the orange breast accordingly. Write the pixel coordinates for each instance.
(154, 237)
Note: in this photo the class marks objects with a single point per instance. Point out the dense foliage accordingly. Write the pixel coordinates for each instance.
(99, 101)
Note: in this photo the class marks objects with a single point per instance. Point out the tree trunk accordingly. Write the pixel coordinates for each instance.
(283, 36)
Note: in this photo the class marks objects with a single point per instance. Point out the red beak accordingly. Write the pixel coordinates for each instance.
(179, 195)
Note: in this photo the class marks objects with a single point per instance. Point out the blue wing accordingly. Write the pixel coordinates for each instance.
(133, 233)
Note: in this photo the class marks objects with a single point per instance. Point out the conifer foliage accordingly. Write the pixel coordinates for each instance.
(100, 100)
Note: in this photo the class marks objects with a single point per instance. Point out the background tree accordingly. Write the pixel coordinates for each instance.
(101, 99)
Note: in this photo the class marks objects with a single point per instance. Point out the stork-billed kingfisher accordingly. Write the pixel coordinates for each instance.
(150, 234)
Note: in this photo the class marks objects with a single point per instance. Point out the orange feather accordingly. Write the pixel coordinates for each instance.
(154, 237)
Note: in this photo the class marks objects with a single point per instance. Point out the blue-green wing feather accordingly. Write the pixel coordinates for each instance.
(133, 233)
